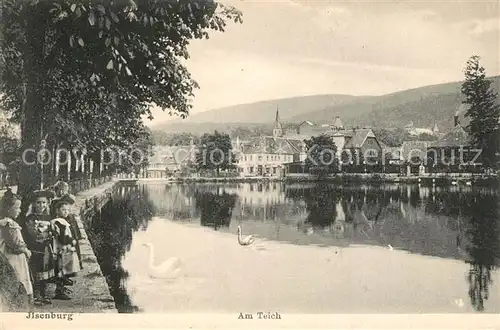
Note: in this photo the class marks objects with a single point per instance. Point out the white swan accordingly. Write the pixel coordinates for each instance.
(390, 247)
(244, 240)
(468, 183)
(454, 183)
(170, 268)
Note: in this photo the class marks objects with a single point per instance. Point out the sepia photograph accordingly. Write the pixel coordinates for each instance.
(255, 159)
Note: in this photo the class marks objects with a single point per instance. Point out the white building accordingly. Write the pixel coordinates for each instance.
(416, 131)
(266, 155)
(169, 160)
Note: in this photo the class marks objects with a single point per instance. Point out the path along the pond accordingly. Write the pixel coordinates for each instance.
(90, 290)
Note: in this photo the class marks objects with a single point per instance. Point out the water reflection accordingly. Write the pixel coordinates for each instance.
(216, 210)
(111, 235)
(441, 222)
(483, 245)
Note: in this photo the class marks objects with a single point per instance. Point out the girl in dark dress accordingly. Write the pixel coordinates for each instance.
(37, 232)
(61, 190)
(65, 242)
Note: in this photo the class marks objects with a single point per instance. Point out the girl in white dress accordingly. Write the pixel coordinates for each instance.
(12, 245)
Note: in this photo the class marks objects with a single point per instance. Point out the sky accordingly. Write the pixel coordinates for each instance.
(293, 48)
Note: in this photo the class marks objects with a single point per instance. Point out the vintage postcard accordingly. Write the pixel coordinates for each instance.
(249, 164)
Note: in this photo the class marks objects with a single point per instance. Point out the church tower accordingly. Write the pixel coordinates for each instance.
(277, 128)
(435, 130)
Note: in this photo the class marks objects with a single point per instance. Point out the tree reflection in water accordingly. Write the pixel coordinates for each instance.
(321, 203)
(111, 236)
(216, 209)
(482, 245)
(421, 220)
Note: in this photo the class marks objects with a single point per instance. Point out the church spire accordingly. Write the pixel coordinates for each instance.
(277, 129)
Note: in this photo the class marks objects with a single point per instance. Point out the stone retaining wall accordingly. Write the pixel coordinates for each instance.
(87, 204)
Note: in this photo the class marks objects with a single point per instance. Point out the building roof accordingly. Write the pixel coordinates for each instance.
(271, 145)
(344, 132)
(358, 138)
(457, 136)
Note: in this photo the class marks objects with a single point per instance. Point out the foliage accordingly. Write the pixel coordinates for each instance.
(482, 232)
(86, 72)
(135, 157)
(174, 139)
(166, 136)
(483, 110)
(322, 153)
(9, 148)
(215, 152)
(352, 156)
(321, 203)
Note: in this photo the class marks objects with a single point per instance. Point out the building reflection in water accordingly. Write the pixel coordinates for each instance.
(447, 222)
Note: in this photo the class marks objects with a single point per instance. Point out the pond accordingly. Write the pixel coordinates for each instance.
(320, 248)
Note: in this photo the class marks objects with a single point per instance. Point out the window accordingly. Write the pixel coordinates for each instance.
(267, 157)
(250, 169)
(260, 158)
(274, 172)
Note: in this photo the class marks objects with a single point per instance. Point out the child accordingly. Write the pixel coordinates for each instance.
(37, 232)
(12, 246)
(65, 246)
(61, 189)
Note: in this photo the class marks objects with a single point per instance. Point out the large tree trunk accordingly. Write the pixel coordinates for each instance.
(31, 129)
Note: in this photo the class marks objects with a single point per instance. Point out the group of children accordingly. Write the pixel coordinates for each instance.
(42, 245)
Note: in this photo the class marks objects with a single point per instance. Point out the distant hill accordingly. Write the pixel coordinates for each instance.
(264, 111)
(425, 106)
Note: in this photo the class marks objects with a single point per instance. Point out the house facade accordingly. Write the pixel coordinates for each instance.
(357, 148)
(170, 160)
(454, 152)
(266, 155)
